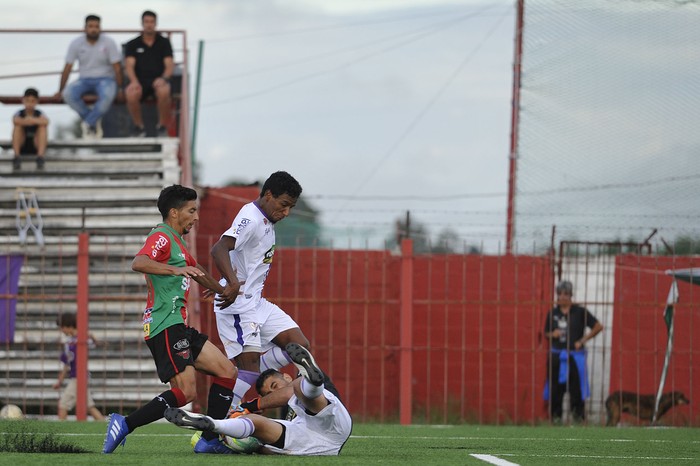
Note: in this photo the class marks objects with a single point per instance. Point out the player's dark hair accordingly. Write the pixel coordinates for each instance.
(174, 197)
(264, 376)
(148, 13)
(92, 18)
(31, 92)
(67, 319)
(281, 183)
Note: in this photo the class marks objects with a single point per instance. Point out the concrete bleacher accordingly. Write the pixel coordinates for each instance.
(107, 188)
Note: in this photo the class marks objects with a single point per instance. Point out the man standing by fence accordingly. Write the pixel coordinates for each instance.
(565, 328)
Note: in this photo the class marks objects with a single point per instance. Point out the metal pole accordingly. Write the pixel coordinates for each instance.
(200, 54)
(82, 322)
(514, 123)
(406, 334)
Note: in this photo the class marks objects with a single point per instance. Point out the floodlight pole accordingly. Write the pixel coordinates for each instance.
(514, 125)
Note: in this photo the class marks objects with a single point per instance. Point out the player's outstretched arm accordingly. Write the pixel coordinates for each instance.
(207, 281)
(145, 264)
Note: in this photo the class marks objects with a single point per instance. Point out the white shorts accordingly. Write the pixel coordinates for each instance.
(322, 434)
(252, 330)
(70, 395)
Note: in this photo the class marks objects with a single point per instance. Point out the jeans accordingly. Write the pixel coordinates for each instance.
(105, 88)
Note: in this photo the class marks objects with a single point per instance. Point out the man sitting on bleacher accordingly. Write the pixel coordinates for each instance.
(99, 60)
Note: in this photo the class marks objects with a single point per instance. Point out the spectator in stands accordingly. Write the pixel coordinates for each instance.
(178, 350)
(68, 325)
(149, 67)
(565, 327)
(99, 60)
(29, 134)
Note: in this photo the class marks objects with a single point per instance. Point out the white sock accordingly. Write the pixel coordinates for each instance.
(239, 391)
(274, 358)
(310, 390)
(240, 427)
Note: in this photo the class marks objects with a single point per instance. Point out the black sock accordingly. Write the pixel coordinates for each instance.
(330, 386)
(151, 411)
(218, 404)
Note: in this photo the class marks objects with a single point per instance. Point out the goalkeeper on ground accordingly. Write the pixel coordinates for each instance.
(322, 424)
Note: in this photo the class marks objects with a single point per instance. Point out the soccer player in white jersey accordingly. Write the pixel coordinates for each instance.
(243, 255)
(322, 424)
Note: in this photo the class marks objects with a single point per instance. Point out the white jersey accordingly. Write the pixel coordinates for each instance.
(251, 257)
(324, 433)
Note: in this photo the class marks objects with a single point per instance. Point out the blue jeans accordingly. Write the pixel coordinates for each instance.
(105, 88)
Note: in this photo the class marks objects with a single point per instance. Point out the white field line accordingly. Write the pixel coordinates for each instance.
(611, 457)
(493, 460)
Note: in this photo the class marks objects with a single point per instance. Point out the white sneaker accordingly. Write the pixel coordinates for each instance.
(98, 129)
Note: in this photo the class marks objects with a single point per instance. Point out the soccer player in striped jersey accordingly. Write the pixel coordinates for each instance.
(178, 350)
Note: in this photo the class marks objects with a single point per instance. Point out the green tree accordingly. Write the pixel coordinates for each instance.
(686, 246)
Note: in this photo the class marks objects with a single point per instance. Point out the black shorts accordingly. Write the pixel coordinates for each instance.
(28, 147)
(147, 90)
(174, 349)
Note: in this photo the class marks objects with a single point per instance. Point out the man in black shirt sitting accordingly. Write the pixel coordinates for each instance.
(149, 67)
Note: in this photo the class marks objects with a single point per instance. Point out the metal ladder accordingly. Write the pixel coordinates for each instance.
(28, 215)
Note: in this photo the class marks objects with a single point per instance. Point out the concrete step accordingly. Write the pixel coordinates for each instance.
(95, 279)
(50, 354)
(126, 384)
(132, 332)
(117, 366)
(117, 306)
(64, 248)
(85, 156)
(166, 145)
(53, 223)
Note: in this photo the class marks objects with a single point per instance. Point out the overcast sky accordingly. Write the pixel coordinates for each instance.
(377, 107)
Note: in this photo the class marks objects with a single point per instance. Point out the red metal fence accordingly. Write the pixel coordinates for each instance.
(431, 338)
(476, 349)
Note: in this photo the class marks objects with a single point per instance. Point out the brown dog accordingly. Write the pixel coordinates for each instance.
(641, 406)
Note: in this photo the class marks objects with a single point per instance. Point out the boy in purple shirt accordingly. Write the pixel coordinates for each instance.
(67, 323)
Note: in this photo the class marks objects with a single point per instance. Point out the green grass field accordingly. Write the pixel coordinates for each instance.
(162, 443)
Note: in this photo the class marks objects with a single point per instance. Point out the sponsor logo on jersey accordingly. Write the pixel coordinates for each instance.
(147, 318)
(160, 243)
(256, 329)
(241, 226)
(182, 344)
(267, 259)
